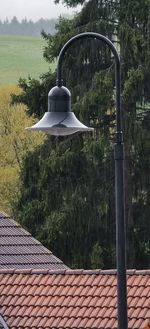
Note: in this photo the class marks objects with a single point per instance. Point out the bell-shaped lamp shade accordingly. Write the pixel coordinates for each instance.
(59, 120)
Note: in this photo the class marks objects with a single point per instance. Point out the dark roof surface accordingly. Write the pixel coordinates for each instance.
(71, 299)
(18, 249)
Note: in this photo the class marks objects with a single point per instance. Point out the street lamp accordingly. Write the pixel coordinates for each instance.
(60, 121)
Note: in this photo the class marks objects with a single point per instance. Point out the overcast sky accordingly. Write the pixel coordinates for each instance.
(32, 9)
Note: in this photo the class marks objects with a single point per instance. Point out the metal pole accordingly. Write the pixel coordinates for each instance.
(119, 176)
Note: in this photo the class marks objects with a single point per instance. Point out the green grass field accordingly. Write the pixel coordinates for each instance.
(21, 57)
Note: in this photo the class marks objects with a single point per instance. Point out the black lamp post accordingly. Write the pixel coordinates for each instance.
(59, 120)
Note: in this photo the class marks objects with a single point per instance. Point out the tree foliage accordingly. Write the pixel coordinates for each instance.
(72, 3)
(15, 143)
(67, 190)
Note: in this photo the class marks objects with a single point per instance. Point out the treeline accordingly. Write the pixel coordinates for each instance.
(27, 27)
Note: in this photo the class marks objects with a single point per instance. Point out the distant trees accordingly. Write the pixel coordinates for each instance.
(27, 27)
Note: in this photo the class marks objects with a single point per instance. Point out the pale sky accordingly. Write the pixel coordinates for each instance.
(32, 9)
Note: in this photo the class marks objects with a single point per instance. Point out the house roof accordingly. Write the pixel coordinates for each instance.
(71, 299)
(18, 249)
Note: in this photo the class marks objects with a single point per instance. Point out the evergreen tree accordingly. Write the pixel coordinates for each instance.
(67, 194)
(135, 59)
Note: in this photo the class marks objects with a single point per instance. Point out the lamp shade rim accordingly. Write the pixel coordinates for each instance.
(59, 123)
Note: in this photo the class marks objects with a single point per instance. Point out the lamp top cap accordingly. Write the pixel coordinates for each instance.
(59, 93)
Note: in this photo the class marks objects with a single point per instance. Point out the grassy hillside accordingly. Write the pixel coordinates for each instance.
(20, 57)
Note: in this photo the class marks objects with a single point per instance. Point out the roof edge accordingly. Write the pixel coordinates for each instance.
(72, 272)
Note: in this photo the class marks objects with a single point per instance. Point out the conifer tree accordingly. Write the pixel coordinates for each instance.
(67, 194)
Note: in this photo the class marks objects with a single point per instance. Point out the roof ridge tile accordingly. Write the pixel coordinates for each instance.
(7, 271)
(72, 271)
(23, 271)
(138, 272)
(91, 271)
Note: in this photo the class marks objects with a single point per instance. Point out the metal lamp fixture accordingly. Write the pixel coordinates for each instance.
(59, 120)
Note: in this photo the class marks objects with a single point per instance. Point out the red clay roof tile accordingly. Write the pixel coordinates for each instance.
(71, 299)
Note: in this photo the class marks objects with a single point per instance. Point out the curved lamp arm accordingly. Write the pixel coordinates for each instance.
(117, 72)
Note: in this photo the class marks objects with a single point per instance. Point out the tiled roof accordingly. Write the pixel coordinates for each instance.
(18, 249)
(71, 299)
